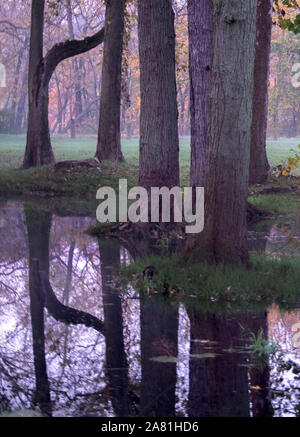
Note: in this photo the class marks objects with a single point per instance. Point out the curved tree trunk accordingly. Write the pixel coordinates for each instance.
(259, 166)
(109, 136)
(159, 143)
(38, 148)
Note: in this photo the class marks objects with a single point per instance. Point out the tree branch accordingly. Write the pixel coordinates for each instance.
(68, 49)
(66, 314)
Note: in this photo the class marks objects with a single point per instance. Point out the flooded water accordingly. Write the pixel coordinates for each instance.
(73, 343)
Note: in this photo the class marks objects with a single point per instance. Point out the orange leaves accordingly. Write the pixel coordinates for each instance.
(293, 164)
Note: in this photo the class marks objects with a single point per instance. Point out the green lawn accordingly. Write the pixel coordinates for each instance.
(42, 179)
(12, 149)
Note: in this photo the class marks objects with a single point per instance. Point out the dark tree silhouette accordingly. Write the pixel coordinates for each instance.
(38, 147)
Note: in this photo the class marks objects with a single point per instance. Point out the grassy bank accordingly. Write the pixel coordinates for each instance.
(268, 281)
(278, 203)
(77, 183)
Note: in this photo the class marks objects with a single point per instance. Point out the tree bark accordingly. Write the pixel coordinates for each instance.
(229, 135)
(159, 143)
(200, 16)
(109, 137)
(259, 166)
(38, 148)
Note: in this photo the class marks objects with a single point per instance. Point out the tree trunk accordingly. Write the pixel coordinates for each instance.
(75, 66)
(218, 387)
(159, 337)
(275, 125)
(14, 93)
(116, 362)
(229, 135)
(73, 129)
(38, 229)
(259, 166)
(200, 64)
(21, 116)
(293, 132)
(109, 137)
(38, 148)
(159, 143)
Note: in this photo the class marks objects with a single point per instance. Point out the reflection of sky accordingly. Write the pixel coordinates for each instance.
(280, 331)
(76, 355)
(132, 337)
(2, 76)
(182, 387)
(282, 238)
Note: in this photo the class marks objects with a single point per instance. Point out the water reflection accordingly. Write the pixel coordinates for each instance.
(116, 361)
(38, 230)
(218, 384)
(73, 344)
(159, 329)
(276, 238)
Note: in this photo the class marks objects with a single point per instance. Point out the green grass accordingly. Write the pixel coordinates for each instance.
(12, 149)
(278, 203)
(279, 151)
(76, 183)
(268, 281)
(262, 349)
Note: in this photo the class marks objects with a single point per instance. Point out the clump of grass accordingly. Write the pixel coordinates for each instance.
(267, 281)
(277, 203)
(76, 183)
(261, 348)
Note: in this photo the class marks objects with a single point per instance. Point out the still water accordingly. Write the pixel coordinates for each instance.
(89, 348)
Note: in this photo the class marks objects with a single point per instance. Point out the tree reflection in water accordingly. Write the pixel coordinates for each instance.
(122, 357)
